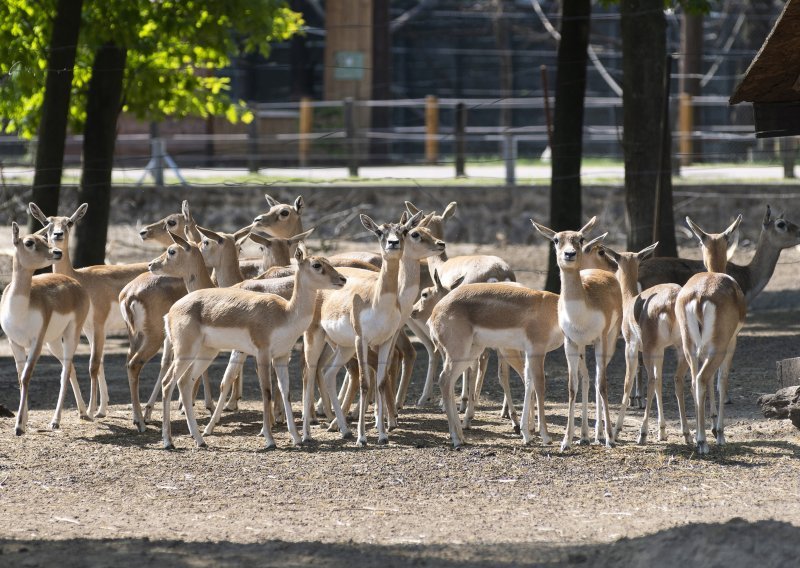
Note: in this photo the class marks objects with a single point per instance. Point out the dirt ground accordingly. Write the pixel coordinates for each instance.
(100, 494)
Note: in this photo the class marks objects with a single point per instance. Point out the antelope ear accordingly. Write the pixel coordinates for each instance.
(403, 217)
(437, 281)
(240, 242)
(187, 214)
(370, 225)
(413, 221)
(179, 241)
(301, 236)
(299, 255)
(242, 233)
(14, 233)
(546, 232)
(588, 226)
(259, 238)
(79, 213)
(588, 246)
(37, 213)
(458, 282)
(645, 252)
(426, 220)
(732, 246)
(735, 225)
(697, 231)
(299, 204)
(271, 201)
(211, 234)
(450, 210)
(411, 207)
(767, 217)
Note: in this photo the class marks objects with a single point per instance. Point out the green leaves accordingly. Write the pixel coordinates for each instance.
(174, 50)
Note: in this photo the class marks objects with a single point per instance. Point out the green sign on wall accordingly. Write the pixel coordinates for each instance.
(349, 65)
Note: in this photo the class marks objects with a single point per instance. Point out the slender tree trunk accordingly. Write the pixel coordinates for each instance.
(55, 108)
(565, 184)
(643, 65)
(102, 109)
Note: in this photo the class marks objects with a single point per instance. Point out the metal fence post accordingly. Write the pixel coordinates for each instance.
(510, 158)
(306, 120)
(252, 145)
(461, 127)
(350, 135)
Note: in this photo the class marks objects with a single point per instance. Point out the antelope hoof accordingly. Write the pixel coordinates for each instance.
(348, 435)
(720, 438)
(169, 446)
(140, 427)
(687, 438)
(148, 413)
(100, 414)
(662, 435)
(270, 446)
(19, 431)
(86, 417)
(517, 429)
(565, 446)
(361, 443)
(383, 441)
(584, 442)
(54, 426)
(714, 431)
(231, 407)
(545, 440)
(202, 444)
(702, 448)
(642, 440)
(207, 431)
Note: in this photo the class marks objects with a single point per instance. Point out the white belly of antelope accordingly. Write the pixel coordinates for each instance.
(500, 338)
(225, 338)
(580, 324)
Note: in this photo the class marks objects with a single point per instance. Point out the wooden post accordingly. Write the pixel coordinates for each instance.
(686, 125)
(460, 146)
(306, 120)
(157, 154)
(350, 137)
(431, 129)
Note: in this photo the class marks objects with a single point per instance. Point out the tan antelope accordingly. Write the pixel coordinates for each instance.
(710, 309)
(145, 303)
(419, 244)
(178, 223)
(366, 314)
(103, 283)
(205, 322)
(589, 312)
(520, 322)
(649, 326)
(48, 309)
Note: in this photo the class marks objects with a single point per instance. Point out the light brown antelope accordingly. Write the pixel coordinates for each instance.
(48, 309)
(648, 326)
(178, 223)
(205, 322)
(103, 283)
(503, 316)
(589, 312)
(365, 314)
(710, 309)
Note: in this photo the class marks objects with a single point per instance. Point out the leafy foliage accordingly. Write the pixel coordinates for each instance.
(175, 49)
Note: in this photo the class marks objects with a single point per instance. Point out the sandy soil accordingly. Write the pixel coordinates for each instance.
(96, 494)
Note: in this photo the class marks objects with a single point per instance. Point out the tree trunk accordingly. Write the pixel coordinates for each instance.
(643, 99)
(55, 108)
(565, 185)
(102, 109)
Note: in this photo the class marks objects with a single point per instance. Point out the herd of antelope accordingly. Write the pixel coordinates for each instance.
(199, 298)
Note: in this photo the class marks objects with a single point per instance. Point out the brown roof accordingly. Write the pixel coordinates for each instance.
(774, 74)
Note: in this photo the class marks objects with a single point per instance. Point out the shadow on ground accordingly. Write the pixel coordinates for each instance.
(734, 544)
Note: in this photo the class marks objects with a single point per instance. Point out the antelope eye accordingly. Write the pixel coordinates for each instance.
(284, 213)
(781, 225)
(29, 244)
(555, 241)
(582, 239)
(414, 235)
(171, 252)
(316, 266)
(424, 294)
(172, 222)
(601, 252)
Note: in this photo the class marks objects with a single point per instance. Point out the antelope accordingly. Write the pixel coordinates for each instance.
(420, 244)
(205, 322)
(365, 314)
(48, 309)
(589, 312)
(503, 316)
(146, 301)
(649, 326)
(103, 283)
(710, 309)
(178, 223)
